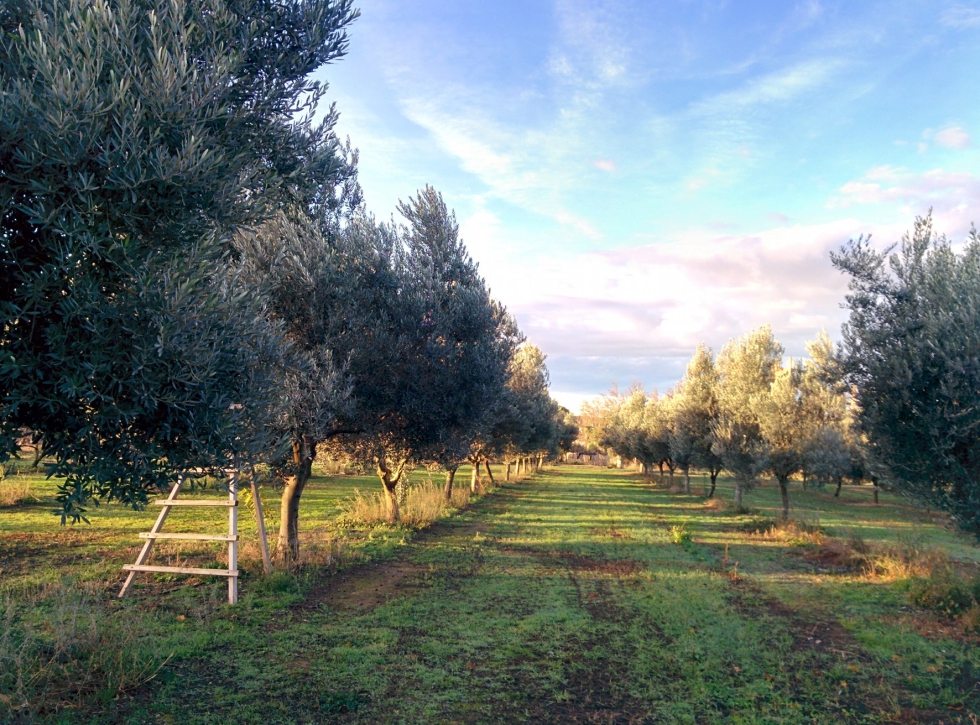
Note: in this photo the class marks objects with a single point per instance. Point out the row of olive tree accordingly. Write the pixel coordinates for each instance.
(192, 280)
(747, 413)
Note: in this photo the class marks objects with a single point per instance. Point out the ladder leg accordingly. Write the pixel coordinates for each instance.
(233, 531)
(145, 551)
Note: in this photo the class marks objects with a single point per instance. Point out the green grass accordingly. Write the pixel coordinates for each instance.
(570, 597)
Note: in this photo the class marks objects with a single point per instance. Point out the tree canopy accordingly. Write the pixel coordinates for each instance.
(911, 349)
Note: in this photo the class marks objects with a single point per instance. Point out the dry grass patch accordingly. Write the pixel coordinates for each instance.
(15, 491)
(715, 504)
(424, 503)
(793, 532)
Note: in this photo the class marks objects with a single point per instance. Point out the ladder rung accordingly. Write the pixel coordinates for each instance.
(180, 570)
(194, 502)
(191, 537)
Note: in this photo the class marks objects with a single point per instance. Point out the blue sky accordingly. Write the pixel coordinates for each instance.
(636, 177)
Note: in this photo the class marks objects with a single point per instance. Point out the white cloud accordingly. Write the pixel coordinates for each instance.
(604, 165)
(954, 196)
(660, 300)
(953, 137)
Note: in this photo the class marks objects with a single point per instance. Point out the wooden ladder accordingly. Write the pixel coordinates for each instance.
(232, 537)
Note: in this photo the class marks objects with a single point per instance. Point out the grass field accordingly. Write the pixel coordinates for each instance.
(580, 595)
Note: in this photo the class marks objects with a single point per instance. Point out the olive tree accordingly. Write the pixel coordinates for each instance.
(300, 268)
(695, 413)
(782, 431)
(746, 369)
(135, 137)
(911, 349)
(426, 349)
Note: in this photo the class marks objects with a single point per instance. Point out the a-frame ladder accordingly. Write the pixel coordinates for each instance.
(232, 537)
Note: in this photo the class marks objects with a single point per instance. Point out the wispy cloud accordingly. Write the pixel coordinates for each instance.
(961, 16)
(777, 87)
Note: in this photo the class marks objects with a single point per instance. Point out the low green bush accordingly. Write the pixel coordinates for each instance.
(941, 591)
(679, 535)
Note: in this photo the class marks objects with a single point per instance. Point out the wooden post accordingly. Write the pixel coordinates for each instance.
(260, 520)
(145, 551)
(233, 532)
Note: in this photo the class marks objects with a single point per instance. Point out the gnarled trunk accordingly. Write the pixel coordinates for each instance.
(738, 495)
(303, 452)
(507, 472)
(687, 479)
(874, 482)
(784, 492)
(486, 465)
(840, 482)
(389, 486)
(450, 477)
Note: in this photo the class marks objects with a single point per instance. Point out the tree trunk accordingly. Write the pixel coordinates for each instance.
(391, 502)
(474, 476)
(784, 492)
(450, 477)
(660, 464)
(302, 461)
(874, 482)
(389, 484)
(738, 495)
(687, 480)
(507, 472)
(840, 482)
(714, 480)
(486, 465)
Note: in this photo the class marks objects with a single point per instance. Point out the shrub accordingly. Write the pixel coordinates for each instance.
(680, 535)
(941, 591)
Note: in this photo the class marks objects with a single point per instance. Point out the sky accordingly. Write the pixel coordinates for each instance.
(638, 177)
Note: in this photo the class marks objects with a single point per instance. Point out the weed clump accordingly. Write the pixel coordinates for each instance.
(680, 535)
(942, 591)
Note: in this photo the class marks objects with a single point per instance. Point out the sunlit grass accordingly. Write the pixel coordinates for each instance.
(556, 599)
